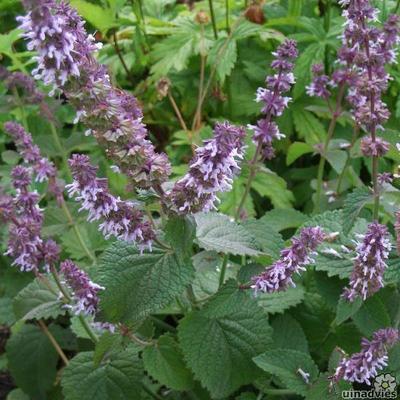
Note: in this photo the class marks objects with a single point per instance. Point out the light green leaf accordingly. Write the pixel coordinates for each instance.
(164, 362)
(308, 126)
(37, 301)
(278, 302)
(139, 284)
(337, 159)
(218, 232)
(279, 219)
(224, 56)
(234, 330)
(296, 150)
(285, 363)
(32, 361)
(118, 377)
(353, 204)
(346, 309)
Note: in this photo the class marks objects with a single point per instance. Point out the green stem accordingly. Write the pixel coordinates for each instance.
(214, 23)
(223, 270)
(61, 150)
(162, 324)
(397, 6)
(252, 174)
(322, 161)
(88, 329)
(53, 341)
(227, 15)
(21, 108)
(77, 231)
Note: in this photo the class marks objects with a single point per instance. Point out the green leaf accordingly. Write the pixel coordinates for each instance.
(278, 302)
(118, 377)
(218, 232)
(285, 363)
(37, 301)
(308, 126)
(17, 394)
(7, 316)
(280, 220)
(269, 241)
(288, 334)
(296, 150)
(139, 284)
(32, 361)
(234, 330)
(7, 40)
(353, 204)
(164, 362)
(224, 56)
(372, 316)
(321, 389)
(101, 18)
(346, 309)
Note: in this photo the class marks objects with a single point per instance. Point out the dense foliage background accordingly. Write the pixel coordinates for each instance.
(181, 332)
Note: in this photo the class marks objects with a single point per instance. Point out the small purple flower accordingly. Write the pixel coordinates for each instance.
(210, 171)
(23, 82)
(274, 103)
(385, 178)
(319, 84)
(293, 260)
(377, 147)
(120, 218)
(363, 366)
(369, 263)
(84, 291)
(21, 177)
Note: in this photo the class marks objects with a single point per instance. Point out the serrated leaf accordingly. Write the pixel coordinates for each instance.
(288, 334)
(346, 309)
(321, 389)
(278, 302)
(285, 363)
(269, 241)
(32, 361)
(224, 56)
(353, 204)
(308, 126)
(280, 220)
(372, 316)
(37, 301)
(296, 150)
(164, 362)
(235, 330)
(218, 232)
(139, 284)
(118, 377)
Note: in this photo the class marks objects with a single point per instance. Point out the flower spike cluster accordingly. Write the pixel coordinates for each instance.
(319, 86)
(119, 218)
(274, 103)
(370, 263)
(210, 171)
(293, 259)
(363, 366)
(84, 291)
(66, 61)
(368, 49)
(30, 152)
(22, 212)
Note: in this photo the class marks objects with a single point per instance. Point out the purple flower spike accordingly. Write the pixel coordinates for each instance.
(363, 366)
(66, 60)
(370, 263)
(293, 259)
(274, 103)
(319, 84)
(210, 171)
(84, 291)
(120, 218)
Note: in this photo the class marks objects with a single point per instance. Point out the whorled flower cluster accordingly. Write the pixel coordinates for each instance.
(210, 171)
(319, 86)
(25, 218)
(84, 291)
(43, 168)
(363, 366)
(274, 103)
(293, 259)
(119, 218)
(368, 49)
(66, 60)
(369, 263)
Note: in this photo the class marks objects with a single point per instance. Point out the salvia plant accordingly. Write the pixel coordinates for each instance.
(199, 199)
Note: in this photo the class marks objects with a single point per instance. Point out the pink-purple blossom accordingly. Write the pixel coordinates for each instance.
(84, 291)
(293, 260)
(363, 366)
(119, 218)
(274, 103)
(210, 171)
